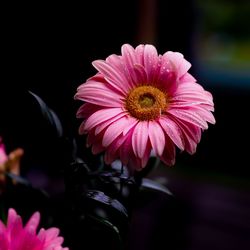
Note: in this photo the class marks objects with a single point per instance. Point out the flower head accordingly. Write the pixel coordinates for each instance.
(14, 236)
(140, 101)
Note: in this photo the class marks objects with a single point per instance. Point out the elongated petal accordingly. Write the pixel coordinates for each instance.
(128, 54)
(114, 130)
(92, 138)
(105, 124)
(33, 222)
(101, 116)
(106, 97)
(150, 62)
(12, 217)
(115, 79)
(131, 124)
(86, 110)
(189, 116)
(168, 155)
(140, 138)
(191, 135)
(126, 151)
(157, 137)
(122, 69)
(179, 63)
(173, 131)
(136, 70)
(97, 148)
(146, 155)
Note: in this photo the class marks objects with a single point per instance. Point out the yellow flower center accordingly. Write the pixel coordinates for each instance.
(146, 102)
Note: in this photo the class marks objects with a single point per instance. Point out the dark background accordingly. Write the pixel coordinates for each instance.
(48, 49)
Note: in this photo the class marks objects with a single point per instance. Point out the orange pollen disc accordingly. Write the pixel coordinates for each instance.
(146, 102)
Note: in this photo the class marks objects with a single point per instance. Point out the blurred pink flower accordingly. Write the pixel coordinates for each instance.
(9, 163)
(3, 155)
(14, 236)
(141, 101)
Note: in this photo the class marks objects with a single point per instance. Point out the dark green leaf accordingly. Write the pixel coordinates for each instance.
(103, 199)
(49, 115)
(151, 185)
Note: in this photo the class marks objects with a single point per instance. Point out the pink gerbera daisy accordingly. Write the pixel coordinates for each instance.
(14, 236)
(140, 101)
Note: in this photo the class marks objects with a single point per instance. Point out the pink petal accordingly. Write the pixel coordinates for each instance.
(51, 233)
(150, 62)
(14, 225)
(190, 144)
(140, 75)
(167, 77)
(97, 148)
(110, 156)
(106, 97)
(157, 137)
(146, 155)
(136, 71)
(192, 97)
(3, 238)
(205, 114)
(54, 243)
(134, 163)
(131, 124)
(3, 155)
(140, 138)
(86, 110)
(94, 139)
(120, 66)
(12, 217)
(173, 131)
(105, 124)
(191, 135)
(101, 116)
(113, 77)
(185, 104)
(41, 234)
(139, 53)
(33, 222)
(128, 54)
(126, 150)
(81, 129)
(2, 227)
(114, 130)
(168, 155)
(180, 64)
(187, 78)
(189, 116)
(113, 149)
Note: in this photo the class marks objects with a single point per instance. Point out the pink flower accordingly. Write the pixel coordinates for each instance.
(9, 163)
(141, 101)
(3, 155)
(14, 236)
